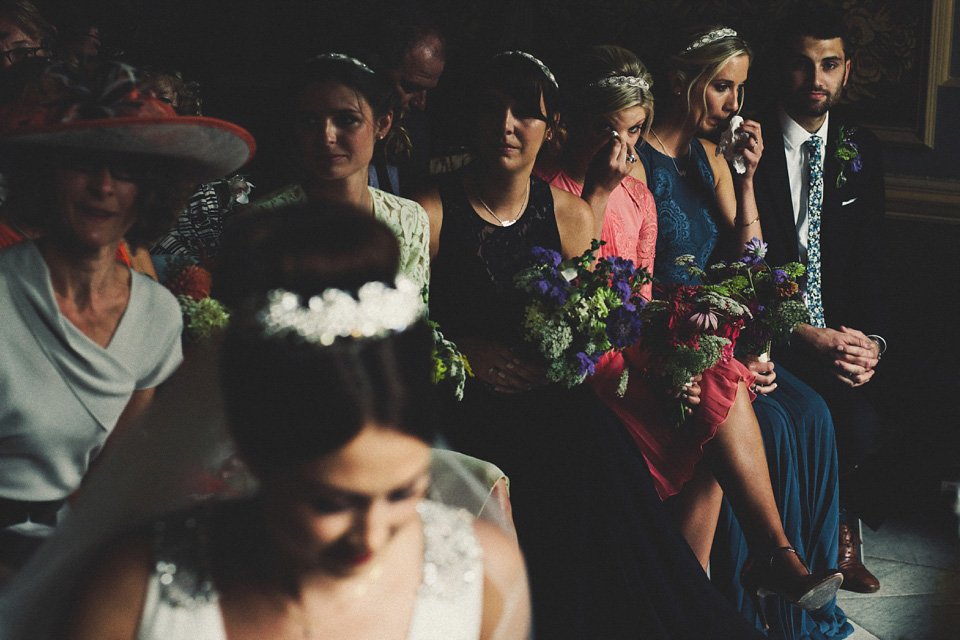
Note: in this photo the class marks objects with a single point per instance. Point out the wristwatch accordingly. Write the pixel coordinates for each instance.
(881, 344)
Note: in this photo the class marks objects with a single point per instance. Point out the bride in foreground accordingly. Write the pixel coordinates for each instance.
(333, 415)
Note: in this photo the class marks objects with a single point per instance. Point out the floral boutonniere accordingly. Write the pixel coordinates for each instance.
(847, 154)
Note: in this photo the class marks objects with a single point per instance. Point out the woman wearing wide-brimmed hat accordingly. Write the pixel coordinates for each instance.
(85, 340)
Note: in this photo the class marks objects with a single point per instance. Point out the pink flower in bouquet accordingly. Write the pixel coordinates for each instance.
(703, 319)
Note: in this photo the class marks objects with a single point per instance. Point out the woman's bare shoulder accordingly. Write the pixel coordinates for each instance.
(110, 601)
(718, 163)
(506, 605)
(574, 222)
(570, 207)
(639, 172)
(428, 196)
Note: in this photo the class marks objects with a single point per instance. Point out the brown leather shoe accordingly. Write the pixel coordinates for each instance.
(856, 577)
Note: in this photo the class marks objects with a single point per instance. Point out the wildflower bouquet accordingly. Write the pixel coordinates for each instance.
(578, 312)
(687, 330)
(771, 293)
(190, 283)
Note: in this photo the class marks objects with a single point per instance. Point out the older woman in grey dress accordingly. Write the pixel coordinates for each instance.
(85, 340)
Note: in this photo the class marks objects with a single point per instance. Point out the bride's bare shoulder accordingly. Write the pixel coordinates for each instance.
(112, 597)
(506, 596)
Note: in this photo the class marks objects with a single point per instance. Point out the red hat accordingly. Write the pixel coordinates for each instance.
(101, 110)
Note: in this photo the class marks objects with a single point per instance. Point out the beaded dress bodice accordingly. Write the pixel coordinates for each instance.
(182, 601)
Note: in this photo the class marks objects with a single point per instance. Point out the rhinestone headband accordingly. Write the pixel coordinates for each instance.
(713, 36)
(622, 81)
(377, 311)
(341, 57)
(534, 60)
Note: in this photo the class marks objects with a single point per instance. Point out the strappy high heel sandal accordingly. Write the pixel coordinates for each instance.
(766, 575)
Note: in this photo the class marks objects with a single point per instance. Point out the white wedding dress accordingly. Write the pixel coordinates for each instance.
(182, 601)
(145, 478)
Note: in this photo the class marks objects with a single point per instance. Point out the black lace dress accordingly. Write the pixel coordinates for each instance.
(605, 560)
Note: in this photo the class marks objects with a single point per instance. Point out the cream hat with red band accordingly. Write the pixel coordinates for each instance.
(102, 111)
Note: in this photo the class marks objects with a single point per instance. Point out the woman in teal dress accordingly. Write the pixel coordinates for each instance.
(704, 211)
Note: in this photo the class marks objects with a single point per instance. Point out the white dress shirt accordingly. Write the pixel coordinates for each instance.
(798, 171)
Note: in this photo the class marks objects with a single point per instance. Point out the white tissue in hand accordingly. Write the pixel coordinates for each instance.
(728, 144)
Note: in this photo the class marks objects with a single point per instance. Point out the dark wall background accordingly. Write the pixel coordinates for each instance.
(239, 50)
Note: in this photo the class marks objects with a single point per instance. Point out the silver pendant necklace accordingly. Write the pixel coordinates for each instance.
(682, 173)
(523, 207)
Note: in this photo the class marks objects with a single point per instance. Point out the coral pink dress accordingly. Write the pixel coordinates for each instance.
(630, 231)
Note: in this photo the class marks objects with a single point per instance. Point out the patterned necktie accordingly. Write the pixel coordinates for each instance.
(814, 203)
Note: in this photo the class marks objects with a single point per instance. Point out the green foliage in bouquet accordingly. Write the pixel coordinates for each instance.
(772, 294)
(450, 366)
(202, 318)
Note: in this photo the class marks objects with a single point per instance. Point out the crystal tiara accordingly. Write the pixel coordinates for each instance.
(713, 36)
(342, 57)
(534, 60)
(377, 311)
(621, 81)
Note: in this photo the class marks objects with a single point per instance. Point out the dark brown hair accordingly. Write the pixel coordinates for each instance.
(290, 401)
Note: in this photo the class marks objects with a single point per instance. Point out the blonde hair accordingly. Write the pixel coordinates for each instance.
(704, 62)
(590, 96)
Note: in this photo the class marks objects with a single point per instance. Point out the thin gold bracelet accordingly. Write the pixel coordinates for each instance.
(749, 223)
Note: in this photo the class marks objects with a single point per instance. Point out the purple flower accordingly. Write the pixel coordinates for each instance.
(779, 276)
(757, 332)
(856, 164)
(754, 252)
(546, 256)
(586, 364)
(622, 288)
(622, 267)
(558, 295)
(623, 326)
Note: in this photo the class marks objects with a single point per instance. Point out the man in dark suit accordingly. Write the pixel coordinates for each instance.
(820, 195)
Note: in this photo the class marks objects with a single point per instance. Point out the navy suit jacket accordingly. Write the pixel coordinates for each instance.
(851, 225)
